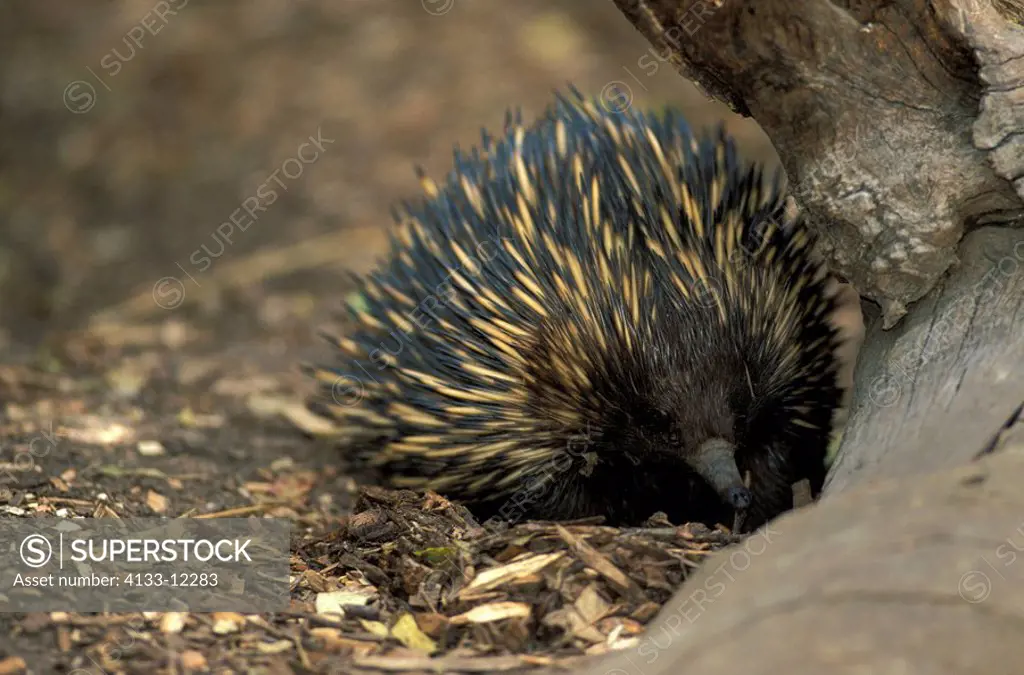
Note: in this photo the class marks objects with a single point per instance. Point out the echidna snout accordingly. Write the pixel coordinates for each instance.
(715, 462)
(738, 497)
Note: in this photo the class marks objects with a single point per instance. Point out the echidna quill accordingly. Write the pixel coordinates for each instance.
(599, 314)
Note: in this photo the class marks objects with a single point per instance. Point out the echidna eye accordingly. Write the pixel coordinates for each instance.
(674, 437)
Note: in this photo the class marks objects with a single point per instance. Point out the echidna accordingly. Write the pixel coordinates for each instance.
(599, 314)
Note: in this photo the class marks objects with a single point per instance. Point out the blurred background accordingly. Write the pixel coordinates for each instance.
(132, 134)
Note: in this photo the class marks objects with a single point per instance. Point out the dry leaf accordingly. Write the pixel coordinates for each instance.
(227, 622)
(331, 602)
(409, 634)
(193, 660)
(294, 486)
(156, 501)
(194, 369)
(188, 418)
(150, 448)
(306, 420)
(335, 642)
(314, 581)
(432, 623)
(282, 464)
(275, 647)
(173, 622)
(296, 413)
(12, 665)
(258, 487)
(243, 386)
(495, 611)
(375, 628)
(102, 434)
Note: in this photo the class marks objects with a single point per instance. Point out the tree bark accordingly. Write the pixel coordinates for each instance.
(898, 123)
(901, 127)
(936, 390)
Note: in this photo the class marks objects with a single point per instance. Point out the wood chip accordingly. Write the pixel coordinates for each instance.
(496, 576)
(590, 605)
(619, 626)
(495, 611)
(646, 611)
(571, 621)
(63, 639)
(60, 484)
(602, 566)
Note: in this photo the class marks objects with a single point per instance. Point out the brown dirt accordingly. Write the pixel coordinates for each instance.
(227, 448)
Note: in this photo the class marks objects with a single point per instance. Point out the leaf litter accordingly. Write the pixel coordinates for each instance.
(381, 581)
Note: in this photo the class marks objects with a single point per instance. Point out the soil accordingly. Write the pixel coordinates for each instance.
(160, 422)
(160, 353)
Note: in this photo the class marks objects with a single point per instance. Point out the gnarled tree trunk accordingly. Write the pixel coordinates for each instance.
(901, 127)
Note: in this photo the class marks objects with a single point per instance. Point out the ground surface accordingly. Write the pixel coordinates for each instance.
(226, 448)
(112, 180)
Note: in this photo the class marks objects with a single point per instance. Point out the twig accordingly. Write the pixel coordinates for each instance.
(241, 510)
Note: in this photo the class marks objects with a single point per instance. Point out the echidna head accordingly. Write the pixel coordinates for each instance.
(673, 397)
(683, 420)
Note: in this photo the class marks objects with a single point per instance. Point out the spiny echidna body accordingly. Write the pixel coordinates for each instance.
(600, 314)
